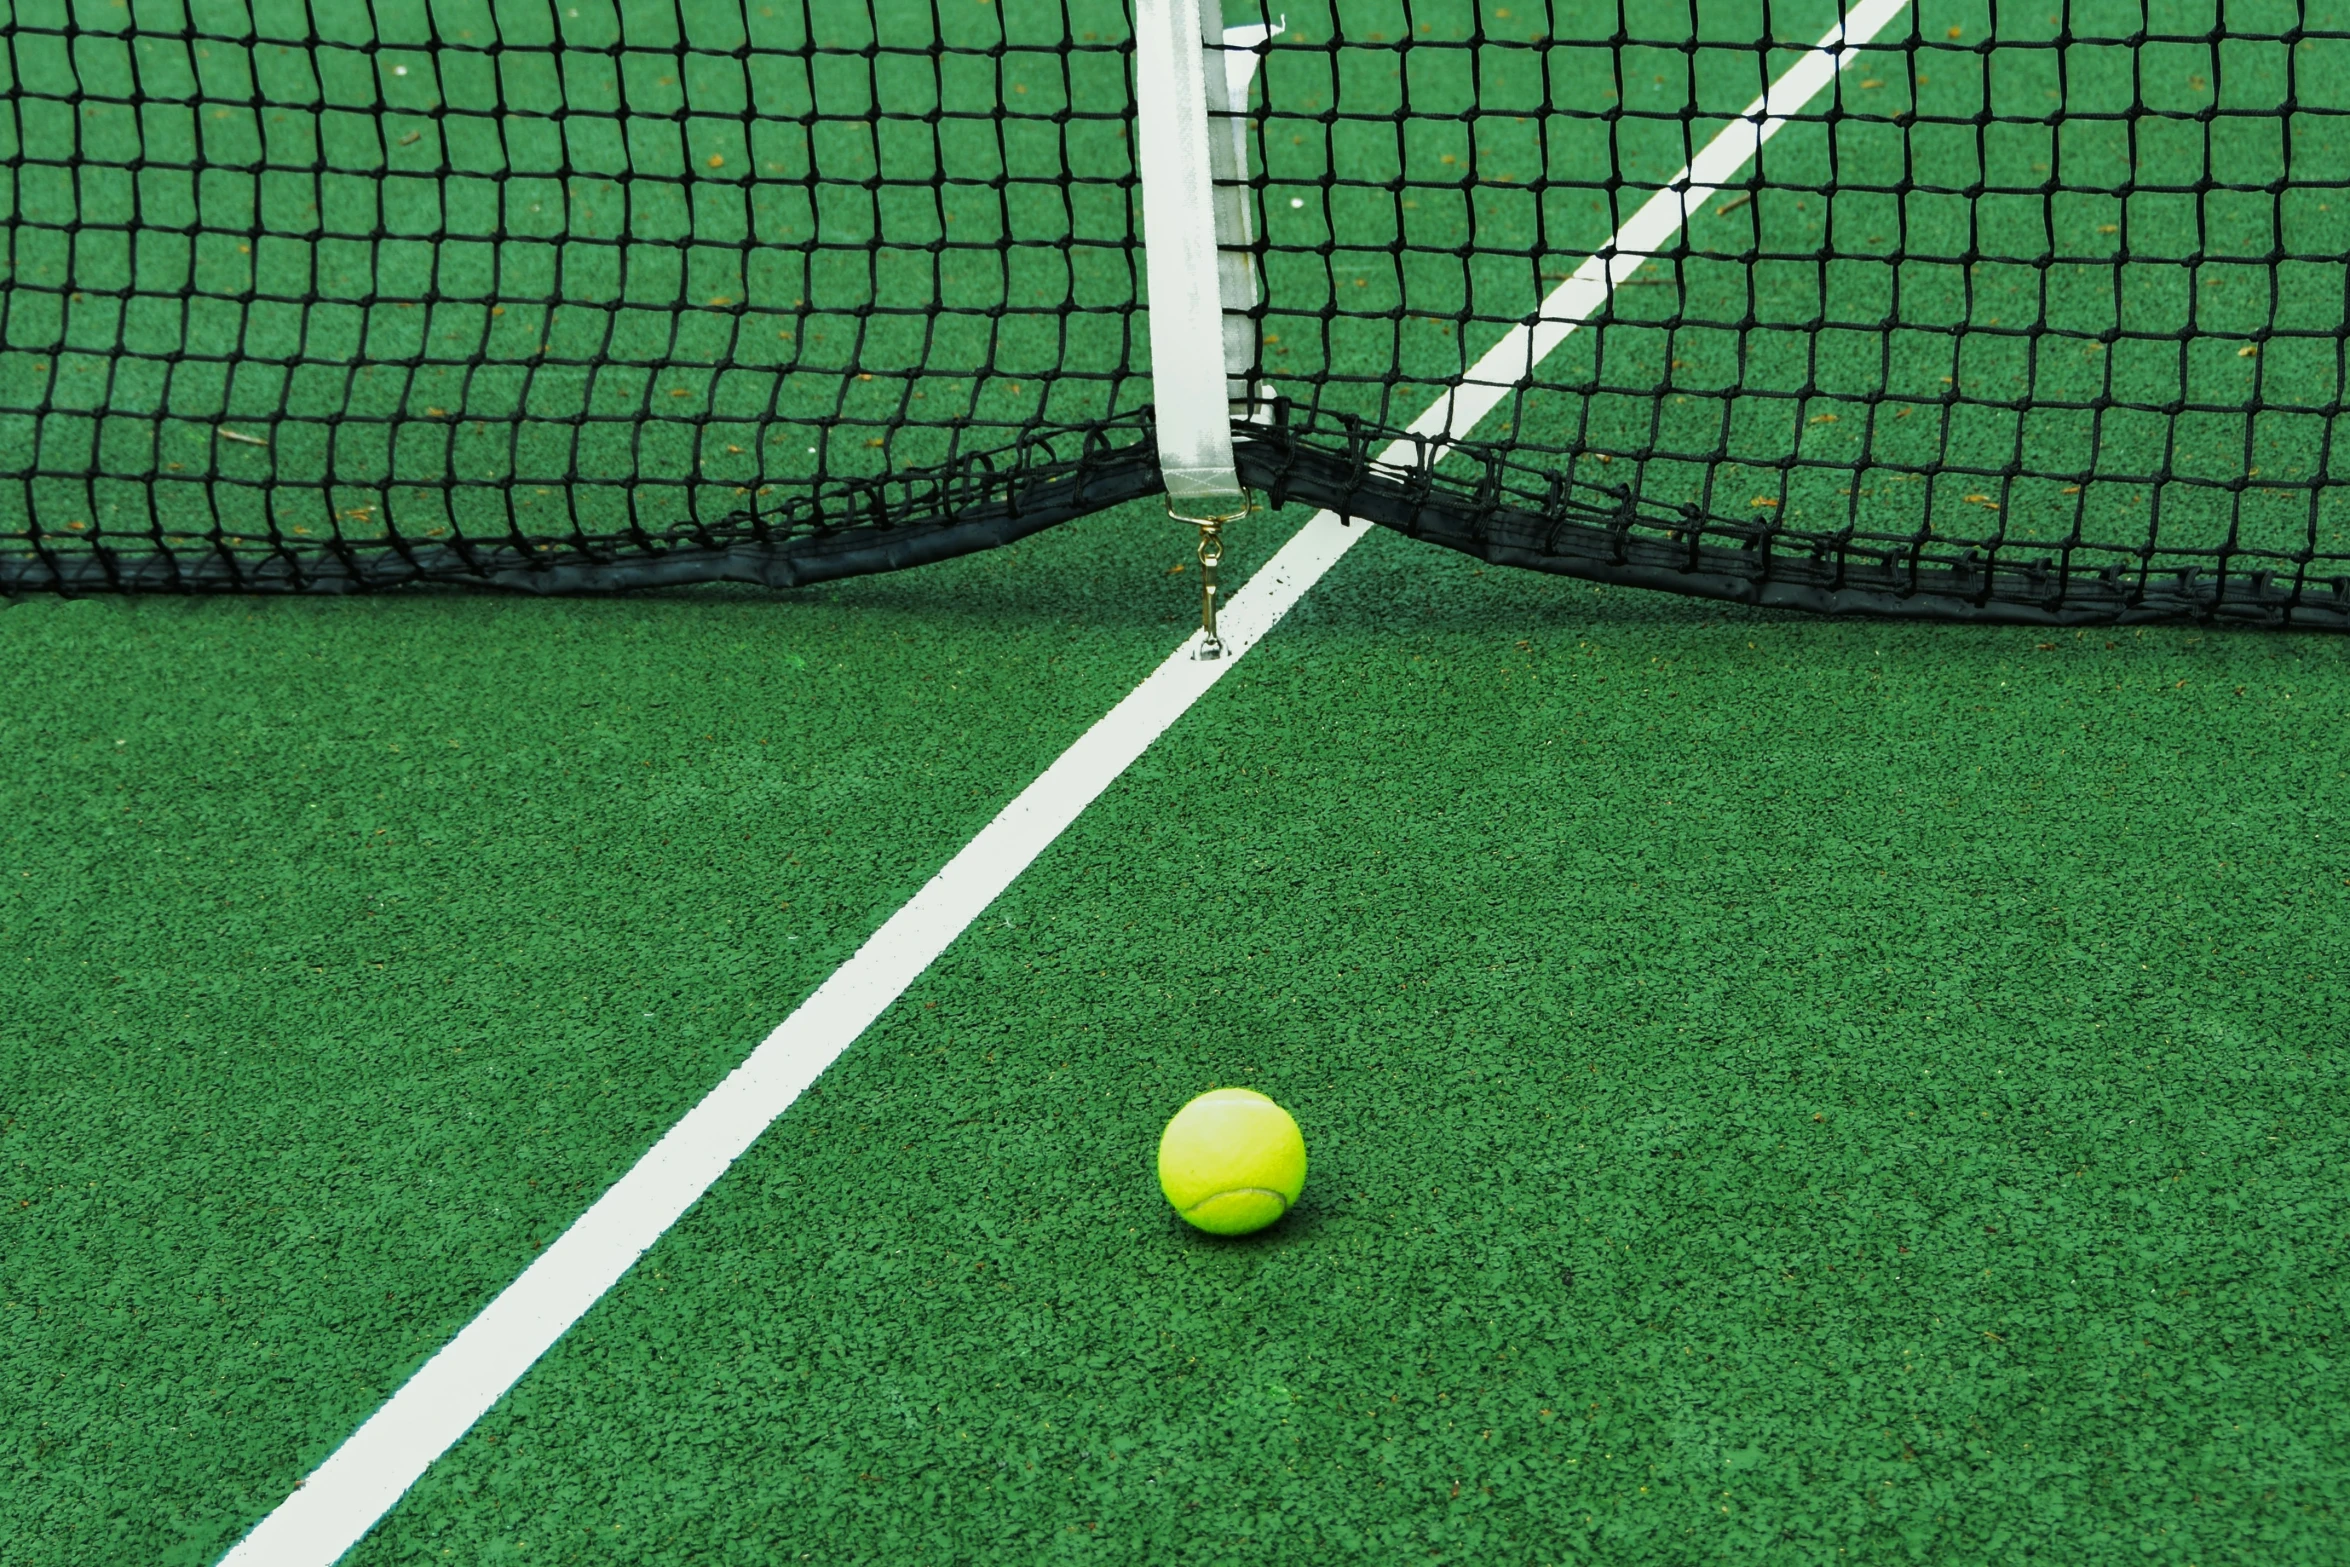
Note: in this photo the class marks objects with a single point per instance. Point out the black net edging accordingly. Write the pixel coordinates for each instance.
(1477, 503)
(2035, 314)
(847, 529)
(1514, 516)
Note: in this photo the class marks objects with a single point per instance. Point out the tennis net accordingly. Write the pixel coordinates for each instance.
(2032, 314)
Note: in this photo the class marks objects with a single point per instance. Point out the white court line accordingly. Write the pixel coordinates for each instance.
(375, 1466)
(1510, 363)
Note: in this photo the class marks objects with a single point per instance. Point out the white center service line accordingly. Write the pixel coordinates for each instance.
(361, 1480)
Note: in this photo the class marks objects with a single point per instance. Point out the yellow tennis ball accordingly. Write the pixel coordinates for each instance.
(1232, 1161)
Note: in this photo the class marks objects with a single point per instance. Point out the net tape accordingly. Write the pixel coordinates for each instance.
(2039, 318)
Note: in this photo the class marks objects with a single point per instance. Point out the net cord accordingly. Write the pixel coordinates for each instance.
(1174, 153)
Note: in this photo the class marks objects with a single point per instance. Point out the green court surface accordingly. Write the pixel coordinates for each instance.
(1775, 1088)
(1778, 1090)
(356, 946)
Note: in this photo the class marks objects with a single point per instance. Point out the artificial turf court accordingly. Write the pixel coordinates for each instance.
(1780, 1089)
(1775, 1087)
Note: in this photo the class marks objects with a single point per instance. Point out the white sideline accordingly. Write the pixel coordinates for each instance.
(362, 1479)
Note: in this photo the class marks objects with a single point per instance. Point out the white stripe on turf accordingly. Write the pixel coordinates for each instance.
(375, 1466)
(1510, 362)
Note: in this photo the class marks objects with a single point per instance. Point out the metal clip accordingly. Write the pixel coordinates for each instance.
(1211, 555)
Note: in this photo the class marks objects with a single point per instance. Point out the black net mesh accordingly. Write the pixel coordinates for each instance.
(2035, 313)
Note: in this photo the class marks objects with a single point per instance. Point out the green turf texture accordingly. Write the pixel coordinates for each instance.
(1773, 1087)
(352, 948)
(1646, 978)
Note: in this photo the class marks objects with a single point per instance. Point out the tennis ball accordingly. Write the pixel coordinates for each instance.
(1232, 1161)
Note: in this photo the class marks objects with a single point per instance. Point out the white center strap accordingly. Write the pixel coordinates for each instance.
(1179, 162)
